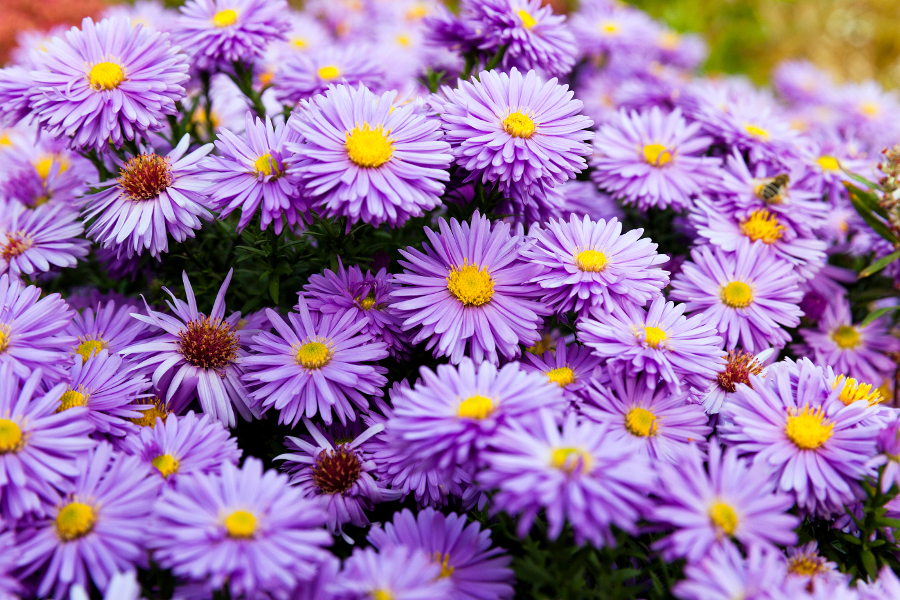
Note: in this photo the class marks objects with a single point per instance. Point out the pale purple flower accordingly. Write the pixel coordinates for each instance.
(37, 240)
(301, 76)
(724, 574)
(570, 367)
(396, 572)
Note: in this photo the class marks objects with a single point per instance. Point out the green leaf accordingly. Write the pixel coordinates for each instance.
(870, 200)
(860, 179)
(878, 313)
(273, 289)
(888, 522)
(868, 562)
(873, 221)
(879, 264)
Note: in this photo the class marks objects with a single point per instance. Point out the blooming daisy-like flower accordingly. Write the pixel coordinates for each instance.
(96, 530)
(301, 76)
(652, 421)
(197, 355)
(571, 368)
(107, 82)
(516, 130)
(794, 421)
(749, 295)
(602, 28)
(250, 171)
(474, 569)
(216, 33)
(16, 94)
(885, 587)
(367, 159)
(180, 446)
(805, 563)
(659, 340)
(395, 573)
(652, 160)
(590, 264)
(801, 82)
(724, 574)
(38, 445)
(866, 110)
(469, 290)
(45, 173)
(317, 364)
(149, 13)
(728, 500)
(110, 328)
(339, 474)
(854, 350)
(573, 474)
(738, 368)
(154, 196)
(40, 239)
(243, 529)
(32, 330)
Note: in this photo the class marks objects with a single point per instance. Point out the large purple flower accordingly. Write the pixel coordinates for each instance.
(37, 240)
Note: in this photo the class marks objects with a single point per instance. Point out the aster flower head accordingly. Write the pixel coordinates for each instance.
(659, 340)
(318, 363)
(724, 574)
(515, 130)
(572, 474)
(216, 33)
(16, 94)
(154, 197)
(37, 240)
(750, 295)
(801, 82)
(149, 13)
(45, 173)
(603, 28)
(301, 76)
(104, 325)
(737, 368)
(108, 82)
(652, 160)
(367, 159)
(805, 563)
(242, 529)
(397, 572)
(96, 528)
(468, 291)
(593, 265)
(570, 367)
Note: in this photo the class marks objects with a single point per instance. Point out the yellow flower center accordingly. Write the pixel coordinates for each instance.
(446, 568)
(44, 165)
(166, 464)
(417, 12)
(756, 131)
(329, 72)
(88, 348)
(641, 422)
(402, 40)
(669, 40)
(518, 125)
(806, 565)
(609, 27)
(591, 261)
(369, 148)
(723, 517)
(240, 524)
(853, 391)
(313, 355)
(382, 595)
(476, 407)
(571, 459)
(656, 154)
(266, 166)
(224, 18)
(4, 337)
(299, 42)
(75, 520)
(106, 76)
(828, 163)
(545, 344)
(368, 302)
(654, 336)
(762, 225)
(846, 337)
(149, 416)
(10, 436)
(736, 294)
(561, 376)
(527, 20)
(471, 286)
(808, 428)
(71, 399)
(870, 109)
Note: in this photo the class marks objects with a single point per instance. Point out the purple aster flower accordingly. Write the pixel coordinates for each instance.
(40, 239)
(301, 76)
(806, 564)
(154, 196)
(216, 33)
(724, 575)
(45, 173)
(856, 351)
(468, 291)
(888, 455)
(801, 82)
(32, 330)
(602, 28)
(318, 364)
(829, 165)
(38, 445)
(515, 130)
(365, 296)
(367, 159)
(474, 569)
(749, 295)
(661, 340)
(728, 500)
(573, 474)
(150, 13)
(652, 160)
(177, 447)
(96, 529)
(887, 586)
(645, 419)
(110, 328)
(866, 110)
(197, 355)
(16, 94)
(122, 586)
(571, 368)
(795, 422)
(398, 573)
(243, 530)
(252, 171)
(737, 368)
(108, 82)
(590, 265)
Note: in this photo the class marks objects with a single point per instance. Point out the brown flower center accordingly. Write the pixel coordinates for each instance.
(209, 343)
(738, 369)
(145, 176)
(336, 470)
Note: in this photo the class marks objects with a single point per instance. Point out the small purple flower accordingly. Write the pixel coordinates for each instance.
(397, 573)
(37, 240)
(301, 76)
(16, 94)
(801, 82)
(571, 368)
(724, 574)
(807, 565)
(603, 28)
(110, 328)
(737, 368)
(46, 173)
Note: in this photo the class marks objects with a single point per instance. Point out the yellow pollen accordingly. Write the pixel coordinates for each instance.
(224, 18)
(762, 225)
(609, 27)
(329, 72)
(88, 348)
(471, 286)
(527, 20)
(723, 517)
(846, 337)
(70, 399)
(240, 524)
(166, 464)
(5, 141)
(418, 12)
(806, 565)
(368, 302)
(4, 337)
(402, 40)
(853, 391)
(518, 125)
(446, 568)
(10, 436)
(299, 42)
(382, 595)
(757, 131)
(266, 166)
(870, 109)
(736, 294)
(808, 428)
(561, 376)
(591, 261)
(313, 355)
(828, 163)
(571, 459)
(656, 154)
(545, 344)
(641, 422)
(654, 336)
(106, 76)
(369, 148)
(669, 40)
(75, 520)
(476, 407)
